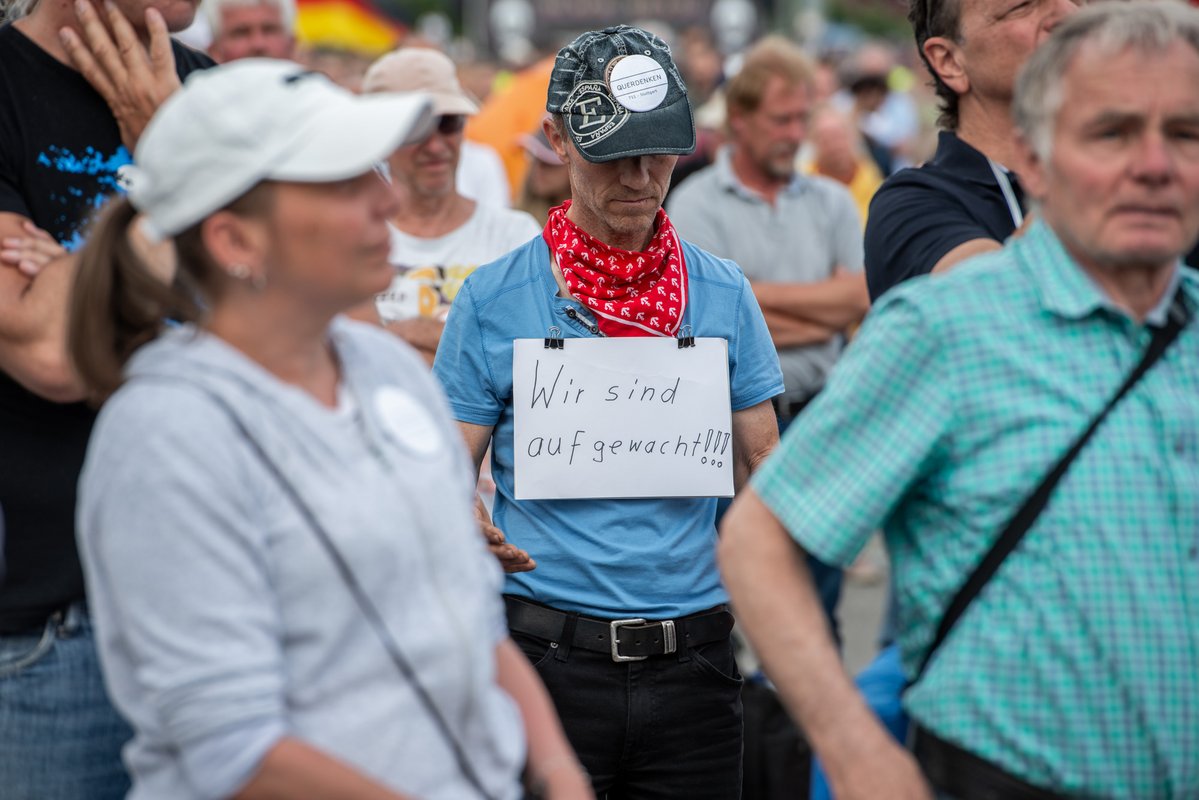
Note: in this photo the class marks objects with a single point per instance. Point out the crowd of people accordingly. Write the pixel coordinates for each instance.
(266, 335)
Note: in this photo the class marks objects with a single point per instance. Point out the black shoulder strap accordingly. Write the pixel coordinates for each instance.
(1023, 519)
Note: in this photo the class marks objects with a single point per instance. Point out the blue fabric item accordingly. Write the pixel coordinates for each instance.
(652, 558)
(881, 684)
(60, 737)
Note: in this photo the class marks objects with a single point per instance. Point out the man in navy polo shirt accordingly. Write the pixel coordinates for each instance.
(965, 201)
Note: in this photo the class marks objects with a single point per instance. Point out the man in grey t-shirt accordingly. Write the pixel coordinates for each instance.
(797, 238)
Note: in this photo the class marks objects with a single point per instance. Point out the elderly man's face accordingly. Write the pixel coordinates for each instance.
(1121, 185)
(616, 201)
(772, 134)
(429, 169)
(253, 31)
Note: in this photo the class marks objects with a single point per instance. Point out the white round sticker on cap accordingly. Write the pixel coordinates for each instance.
(407, 420)
(638, 83)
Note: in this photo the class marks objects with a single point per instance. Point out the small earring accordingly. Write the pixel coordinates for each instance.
(242, 272)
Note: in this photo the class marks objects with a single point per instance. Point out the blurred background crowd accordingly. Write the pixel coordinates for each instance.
(874, 110)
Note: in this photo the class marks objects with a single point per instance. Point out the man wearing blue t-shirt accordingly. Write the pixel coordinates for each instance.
(652, 707)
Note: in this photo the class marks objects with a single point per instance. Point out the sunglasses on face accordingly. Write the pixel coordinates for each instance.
(449, 124)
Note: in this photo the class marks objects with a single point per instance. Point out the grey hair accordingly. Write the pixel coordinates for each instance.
(15, 9)
(1112, 27)
(212, 10)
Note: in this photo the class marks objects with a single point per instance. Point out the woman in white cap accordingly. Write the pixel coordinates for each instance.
(291, 595)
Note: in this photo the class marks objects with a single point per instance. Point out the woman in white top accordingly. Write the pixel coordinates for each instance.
(291, 596)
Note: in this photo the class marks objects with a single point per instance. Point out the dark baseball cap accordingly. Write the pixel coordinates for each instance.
(621, 95)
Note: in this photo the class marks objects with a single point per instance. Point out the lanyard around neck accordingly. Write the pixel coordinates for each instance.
(1009, 195)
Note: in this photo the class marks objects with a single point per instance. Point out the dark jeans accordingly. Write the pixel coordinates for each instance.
(665, 728)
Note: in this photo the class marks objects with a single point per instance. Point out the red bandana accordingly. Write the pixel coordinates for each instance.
(630, 294)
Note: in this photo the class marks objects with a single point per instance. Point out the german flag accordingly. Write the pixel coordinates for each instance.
(354, 25)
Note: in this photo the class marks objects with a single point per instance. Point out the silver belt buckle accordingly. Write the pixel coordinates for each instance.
(614, 641)
(669, 639)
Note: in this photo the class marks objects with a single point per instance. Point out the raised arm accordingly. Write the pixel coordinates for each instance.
(133, 77)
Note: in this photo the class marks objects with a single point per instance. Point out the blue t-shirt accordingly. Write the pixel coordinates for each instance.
(607, 558)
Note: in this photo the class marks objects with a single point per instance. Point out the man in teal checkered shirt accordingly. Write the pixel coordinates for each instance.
(1075, 673)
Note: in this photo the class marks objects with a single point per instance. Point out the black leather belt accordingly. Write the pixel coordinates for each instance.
(965, 776)
(32, 623)
(622, 639)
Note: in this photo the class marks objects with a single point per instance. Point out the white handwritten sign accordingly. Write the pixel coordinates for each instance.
(622, 417)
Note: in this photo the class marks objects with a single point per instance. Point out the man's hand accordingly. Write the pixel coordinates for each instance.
(511, 557)
(132, 78)
(33, 314)
(881, 768)
(567, 783)
(32, 252)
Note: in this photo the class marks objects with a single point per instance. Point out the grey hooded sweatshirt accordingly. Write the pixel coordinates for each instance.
(222, 622)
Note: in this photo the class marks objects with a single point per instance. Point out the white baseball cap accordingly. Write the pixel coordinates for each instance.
(255, 119)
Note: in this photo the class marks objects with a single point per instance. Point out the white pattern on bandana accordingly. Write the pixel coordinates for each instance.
(630, 293)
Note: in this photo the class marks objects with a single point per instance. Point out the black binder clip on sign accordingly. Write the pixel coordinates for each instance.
(555, 341)
(686, 339)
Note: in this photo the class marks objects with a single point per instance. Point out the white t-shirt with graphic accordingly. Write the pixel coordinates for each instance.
(429, 272)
